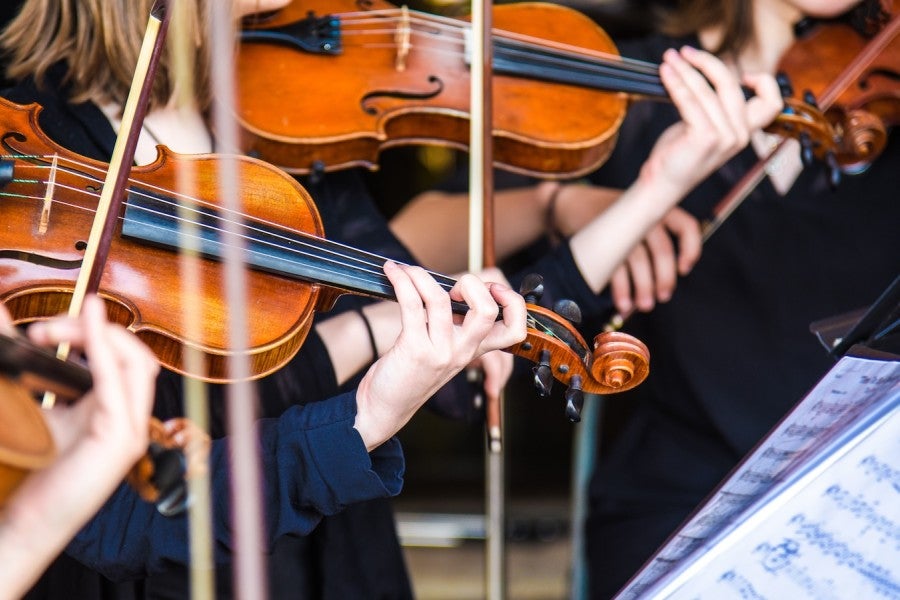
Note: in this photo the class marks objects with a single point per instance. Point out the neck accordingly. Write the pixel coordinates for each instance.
(773, 34)
(182, 130)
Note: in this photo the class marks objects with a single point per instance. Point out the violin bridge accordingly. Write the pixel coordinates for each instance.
(402, 37)
(48, 196)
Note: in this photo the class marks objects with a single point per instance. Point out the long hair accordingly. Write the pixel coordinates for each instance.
(99, 41)
(735, 17)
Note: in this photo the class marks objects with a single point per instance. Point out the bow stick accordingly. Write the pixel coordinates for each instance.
(196, 408)
(111, 197)
(481, 254)
(250, 579)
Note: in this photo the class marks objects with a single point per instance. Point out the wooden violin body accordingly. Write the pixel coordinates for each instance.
(364, 100)
(50, 196)
(176, 451)
(383, 76)
(46, 226)
(25, 441)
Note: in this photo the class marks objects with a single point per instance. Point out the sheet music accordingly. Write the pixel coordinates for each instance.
(853, 389)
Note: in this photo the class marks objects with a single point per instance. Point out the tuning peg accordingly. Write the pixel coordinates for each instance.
(568, 310)
(574, 399)
(169, 468)
(810, 98)
(834, 170)
(806, 149)
(532, 287)
(316, 172)
(784, 84)
(6, 171)
(543, 375)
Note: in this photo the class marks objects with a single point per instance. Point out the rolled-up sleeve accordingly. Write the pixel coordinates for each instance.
(314, 463)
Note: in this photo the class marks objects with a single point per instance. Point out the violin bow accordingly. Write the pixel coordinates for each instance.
(112, 195)
(481, 254)
(196, 408)
(250, 580)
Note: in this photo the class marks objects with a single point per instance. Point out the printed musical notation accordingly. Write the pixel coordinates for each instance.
(812, 512)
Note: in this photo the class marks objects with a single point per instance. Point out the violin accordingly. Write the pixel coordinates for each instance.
(50, 196)
(25, 441)
(26, 446)
(327, 84)
(853, 75)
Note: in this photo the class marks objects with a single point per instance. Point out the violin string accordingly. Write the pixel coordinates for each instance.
(373, 270)
(625, 67)
(371, 263)
(453, 26)
(624, 79)
(526, 42)
(456, 30)
(362, 274)
(367, 267)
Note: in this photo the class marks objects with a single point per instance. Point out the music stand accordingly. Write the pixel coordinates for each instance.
(813, 511)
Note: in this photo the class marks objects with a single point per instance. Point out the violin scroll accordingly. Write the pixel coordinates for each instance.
(177, 451)
(620, 361)
(863, 136)
(617, 362)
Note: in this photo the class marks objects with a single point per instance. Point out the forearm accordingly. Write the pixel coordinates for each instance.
(346, 337)
(48, 509)
(435, 225)
(605, 241)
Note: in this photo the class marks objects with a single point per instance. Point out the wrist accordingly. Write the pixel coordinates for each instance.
(655, 195)
(375, 422)
(548, 194)
(665, 191)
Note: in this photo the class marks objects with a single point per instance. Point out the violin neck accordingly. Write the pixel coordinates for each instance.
(558, 66)
(283, 252)
(532, 61)
(19, 357)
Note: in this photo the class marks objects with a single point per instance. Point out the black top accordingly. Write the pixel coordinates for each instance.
(349, 216)
(732, 351)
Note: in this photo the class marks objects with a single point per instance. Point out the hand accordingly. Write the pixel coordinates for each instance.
(433, 345)
(113, 417)
(650, 272)
(716, 119)
(6, 325)
(98, 440)
(496, 366)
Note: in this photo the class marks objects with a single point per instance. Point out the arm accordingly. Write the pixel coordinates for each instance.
(716, 124)
(98, 440)
(716, 121)
(314, 462)
(434, 224)
(320, 457)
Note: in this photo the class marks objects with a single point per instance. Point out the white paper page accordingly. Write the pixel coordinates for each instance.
(851, 388)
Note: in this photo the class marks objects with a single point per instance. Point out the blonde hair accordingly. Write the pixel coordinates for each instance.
(99, 41)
